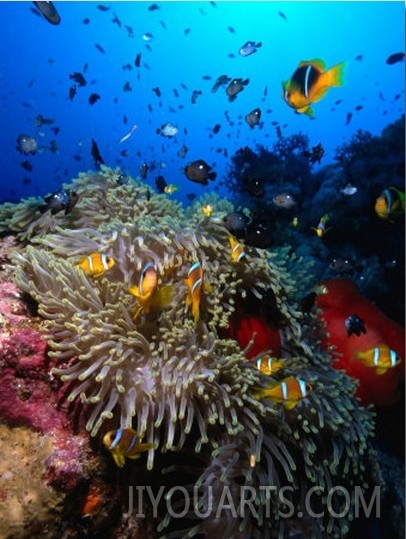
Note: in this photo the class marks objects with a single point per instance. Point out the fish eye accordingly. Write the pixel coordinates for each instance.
(287, 94)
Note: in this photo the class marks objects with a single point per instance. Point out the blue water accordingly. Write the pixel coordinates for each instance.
(191, 40)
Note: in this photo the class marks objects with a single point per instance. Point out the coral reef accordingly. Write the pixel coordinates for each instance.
(367, 164)
(185, 385)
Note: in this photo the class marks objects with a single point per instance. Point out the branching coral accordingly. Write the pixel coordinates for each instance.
(183, 384)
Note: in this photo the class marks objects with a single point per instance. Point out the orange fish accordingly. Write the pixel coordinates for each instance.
(95, 264)
(269, 365)
(237, 249)
(287, 392)
(381, 357)
(151, 299)
(321, 227)
(194, 282)
(310, 83)
(125, 443)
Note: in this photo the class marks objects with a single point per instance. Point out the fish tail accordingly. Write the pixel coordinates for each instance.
(335, 75)
(161, 298)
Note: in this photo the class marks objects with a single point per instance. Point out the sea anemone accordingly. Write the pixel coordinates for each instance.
(186, 385)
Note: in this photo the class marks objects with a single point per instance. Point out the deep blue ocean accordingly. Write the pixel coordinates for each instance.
(183, 47)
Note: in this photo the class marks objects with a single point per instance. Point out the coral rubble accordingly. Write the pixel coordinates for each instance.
(184, 384)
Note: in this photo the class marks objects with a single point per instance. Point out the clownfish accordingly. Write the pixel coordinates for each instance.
(390, 204)
(196, 287)
(95, 264)
(269, 365)
(321, 227)
(237, 249)
(287, 392)
(380, 357)
(125, 443)
(309, 83)
(151, 299)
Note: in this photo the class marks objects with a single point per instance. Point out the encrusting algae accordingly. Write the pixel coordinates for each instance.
(171, 373)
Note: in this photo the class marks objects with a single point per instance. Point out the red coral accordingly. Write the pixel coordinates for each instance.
(339, 300)
(29, 397)
(244, 328)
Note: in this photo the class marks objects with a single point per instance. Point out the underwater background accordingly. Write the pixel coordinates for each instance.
(183, 47)
(122, 91)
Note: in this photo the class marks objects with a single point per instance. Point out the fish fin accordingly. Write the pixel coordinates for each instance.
(245, 82)
(212, 175)
(289, 405)
(119, 459)
(160, 299)
(259, 45)
(335, 75)
(319, 64)
(381, 370)
(135, 291)
(306, 110)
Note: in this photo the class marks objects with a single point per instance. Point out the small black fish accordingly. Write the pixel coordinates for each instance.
(78, 77)
(393, 58)
(195, 95)
(116, 20)
(49, 11)
(157, 91)
(342, 266)
(63, 199)
(127, 87)
(72, 91)
(41, 120)
(359, 107)
(93, 98)
(359, 57)
(258, 234)
(235, 222)
(231, 29)
(100, 48)
(144, 170)
(253, 117)
(316, 154)
(153, 7)
(348, 120)
(222, 80)
(98, 159)
(86, 20)
(354, 324)
(102, 8)
(255, 187)
(160, 184)
(216, 128)
(235, 87)
(183, 151)
(137, 61)
(26, 165)
(200, 172)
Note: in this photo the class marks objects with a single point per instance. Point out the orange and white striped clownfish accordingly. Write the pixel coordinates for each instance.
(287, 392)
(125, 443)
(237, 249)
(268, 364)
(390, 204)
(196, 287)
(310, 83)
(95, 264)
(150, 297)
(321, 227)
(380, 357)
